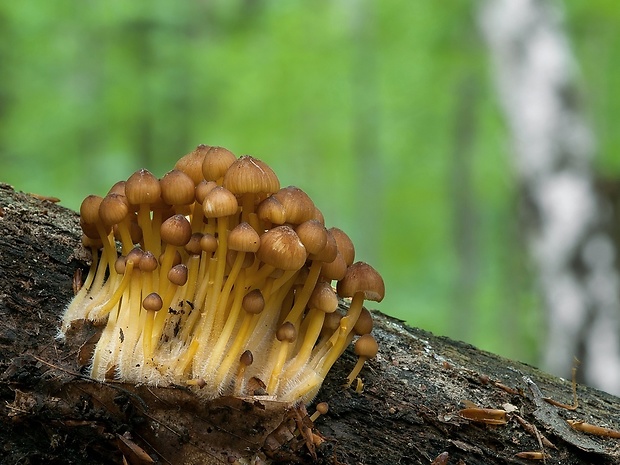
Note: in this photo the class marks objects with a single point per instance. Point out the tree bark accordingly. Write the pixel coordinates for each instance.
(407, 412)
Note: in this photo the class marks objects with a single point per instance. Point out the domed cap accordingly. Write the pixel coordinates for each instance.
(89, 209)
(177, 188)
(313, 235)
(361, 277)
(176, 231)
(366, 346)
(243, 238)
(345, 245)
(113, 209)
(298, 205)
(219, 202)
(142, 188)
(191, 164)
(280, 247)
(249, 175)
(216, 162)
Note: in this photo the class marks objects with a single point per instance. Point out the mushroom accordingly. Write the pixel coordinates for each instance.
(361, 282)
(321, 409)
(241, 268)
(142, 189)
(365, 347)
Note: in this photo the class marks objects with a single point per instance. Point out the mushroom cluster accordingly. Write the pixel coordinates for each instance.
(216, 278)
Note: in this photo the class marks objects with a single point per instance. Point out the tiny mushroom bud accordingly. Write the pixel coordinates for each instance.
(253, 302)
(178, 275)
(366, 347)
(321, 409)
(152, 302)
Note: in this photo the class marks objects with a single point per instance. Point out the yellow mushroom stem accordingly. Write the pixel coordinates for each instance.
(315, 320)
(340, 339)
(245, 360)
(75, 310)
(286, 335)
(113, 301)
(130, 326)
(216, 352)
(301, 298)
(365, 347)
(151, 241)
(210, 317)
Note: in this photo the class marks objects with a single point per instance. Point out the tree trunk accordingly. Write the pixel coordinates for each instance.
(407, 412)
(567, 221)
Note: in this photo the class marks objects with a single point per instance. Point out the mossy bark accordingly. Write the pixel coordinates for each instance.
(407, 412)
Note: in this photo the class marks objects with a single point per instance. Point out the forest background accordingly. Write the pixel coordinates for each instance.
(384, 112)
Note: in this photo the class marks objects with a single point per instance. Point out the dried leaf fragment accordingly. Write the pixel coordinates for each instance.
(484, 415)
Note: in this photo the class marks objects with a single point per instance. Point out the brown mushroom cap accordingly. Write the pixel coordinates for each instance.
(361, 277)
(286, 332)
(345, 245)
(113, 209)
(298, 205)
(219, 202)
(249, 175)
(89, 209)
(118, 188)
(191, 164)
(281, 248)
(176, 231)
(322, 408)
(336, 269)
(153, 302)
(193, 246)
(178, 274)
(243, 238)
(177, 188)
(366, 346)
(271, 210)
(142, 188)
(216, 162)
(253, 302)
(208, 243)
(148, 262)
(364, 323)
(313, 235)
(203, 188)
(324, 298)
(329, 252)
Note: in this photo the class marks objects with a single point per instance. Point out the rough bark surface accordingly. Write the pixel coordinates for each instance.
(408, 411)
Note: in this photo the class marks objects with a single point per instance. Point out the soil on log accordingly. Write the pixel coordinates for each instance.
(410, 410)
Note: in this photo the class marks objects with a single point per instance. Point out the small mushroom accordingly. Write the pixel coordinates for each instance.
(365, 347)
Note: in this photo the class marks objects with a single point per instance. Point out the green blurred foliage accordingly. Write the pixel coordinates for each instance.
(382, 111)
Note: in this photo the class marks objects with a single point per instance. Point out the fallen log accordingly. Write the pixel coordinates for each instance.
(424, 399)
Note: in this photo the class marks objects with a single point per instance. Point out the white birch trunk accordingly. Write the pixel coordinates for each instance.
(565, 217)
